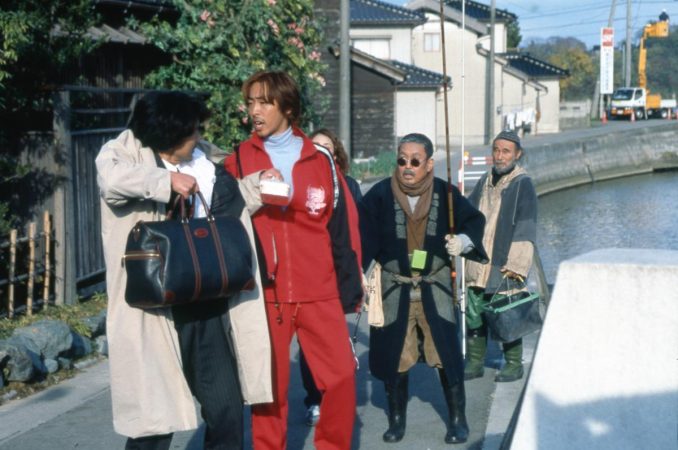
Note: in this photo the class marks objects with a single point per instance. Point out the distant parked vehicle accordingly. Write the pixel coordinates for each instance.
(639, 101)
(636, 100)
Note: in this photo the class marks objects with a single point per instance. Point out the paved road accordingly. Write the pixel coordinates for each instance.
(76, 414)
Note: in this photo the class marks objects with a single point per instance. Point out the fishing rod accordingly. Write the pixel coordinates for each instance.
(461, 295)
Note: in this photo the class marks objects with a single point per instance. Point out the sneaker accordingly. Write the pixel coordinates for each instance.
(312, 415)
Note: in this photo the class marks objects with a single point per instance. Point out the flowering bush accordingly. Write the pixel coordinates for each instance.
(217, 44)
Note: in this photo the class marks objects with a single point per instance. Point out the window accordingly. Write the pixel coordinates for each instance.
(622, 94)
(378, 47)
(431, 42)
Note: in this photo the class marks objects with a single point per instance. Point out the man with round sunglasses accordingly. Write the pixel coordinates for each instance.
(405, 228)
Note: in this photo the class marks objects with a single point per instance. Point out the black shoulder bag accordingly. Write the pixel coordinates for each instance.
(174, 262)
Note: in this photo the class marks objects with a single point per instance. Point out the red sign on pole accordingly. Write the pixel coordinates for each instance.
(606, 60)
(607, 37)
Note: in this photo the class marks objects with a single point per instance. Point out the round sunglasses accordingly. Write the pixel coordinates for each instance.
(414, 162)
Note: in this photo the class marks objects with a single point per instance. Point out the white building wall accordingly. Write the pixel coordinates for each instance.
(499, 38)
(400, 41)
(550, 107)
(416, 113)
(475, 76)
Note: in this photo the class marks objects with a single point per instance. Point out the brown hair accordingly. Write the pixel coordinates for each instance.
(339, 152)
(280, 88)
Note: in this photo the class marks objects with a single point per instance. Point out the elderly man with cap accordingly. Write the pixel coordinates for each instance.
(404, 227)
(506, 196)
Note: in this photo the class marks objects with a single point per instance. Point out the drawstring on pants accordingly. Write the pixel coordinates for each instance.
(279, 307)
(296, 310)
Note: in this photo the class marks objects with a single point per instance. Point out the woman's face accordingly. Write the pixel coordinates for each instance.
(184, 151)
(325, 141)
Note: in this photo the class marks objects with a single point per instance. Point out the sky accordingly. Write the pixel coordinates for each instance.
(580, 18)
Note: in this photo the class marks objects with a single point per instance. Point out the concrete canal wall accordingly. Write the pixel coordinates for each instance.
(604, 373)
(600, 156)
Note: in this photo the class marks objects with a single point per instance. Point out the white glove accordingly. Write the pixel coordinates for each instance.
(456, 244)
(453, 245)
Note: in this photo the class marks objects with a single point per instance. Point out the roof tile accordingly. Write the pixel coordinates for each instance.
(532, 66)
(420, 78)
(375, 12)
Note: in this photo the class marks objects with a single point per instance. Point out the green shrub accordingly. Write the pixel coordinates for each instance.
(70, 314)
(379, 166)
(215, 46)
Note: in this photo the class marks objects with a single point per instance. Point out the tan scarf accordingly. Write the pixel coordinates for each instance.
(416, 220)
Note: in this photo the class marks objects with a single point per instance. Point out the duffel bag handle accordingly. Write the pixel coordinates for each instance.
(187, 213)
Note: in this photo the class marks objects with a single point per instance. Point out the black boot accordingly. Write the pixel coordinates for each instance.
(396, 394)
(455, 397)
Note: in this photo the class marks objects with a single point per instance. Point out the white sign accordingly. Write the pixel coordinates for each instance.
(606, 60)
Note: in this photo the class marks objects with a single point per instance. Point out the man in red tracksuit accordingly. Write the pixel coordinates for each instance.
(311, 254)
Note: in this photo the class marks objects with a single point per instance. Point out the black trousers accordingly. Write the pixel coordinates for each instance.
(158, 442)
(211, 371)
(313, 395)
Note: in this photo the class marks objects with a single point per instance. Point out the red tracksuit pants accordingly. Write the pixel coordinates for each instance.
(322, 333)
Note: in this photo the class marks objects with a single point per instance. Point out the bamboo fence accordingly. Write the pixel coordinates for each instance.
(30, 276)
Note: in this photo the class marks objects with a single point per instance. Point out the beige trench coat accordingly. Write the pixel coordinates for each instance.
(149, 392)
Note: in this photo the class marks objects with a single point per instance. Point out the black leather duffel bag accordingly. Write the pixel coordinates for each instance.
(175, 262)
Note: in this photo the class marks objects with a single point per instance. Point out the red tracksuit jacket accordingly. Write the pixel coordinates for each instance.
(312, 247)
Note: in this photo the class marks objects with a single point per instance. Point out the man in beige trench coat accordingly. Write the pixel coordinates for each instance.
(150, 393)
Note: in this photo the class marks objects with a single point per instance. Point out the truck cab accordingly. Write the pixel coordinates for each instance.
(637, 101)
(628, 100)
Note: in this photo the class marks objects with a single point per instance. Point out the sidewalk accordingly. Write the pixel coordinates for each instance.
(77, 412)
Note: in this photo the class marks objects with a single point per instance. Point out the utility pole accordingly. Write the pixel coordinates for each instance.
(345, 77)
(627, 64)
(490, 79)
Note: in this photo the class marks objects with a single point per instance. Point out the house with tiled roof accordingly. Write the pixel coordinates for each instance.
(526, 91)
(526, 100)
(382, 29)
(390, 97)
(480, 12)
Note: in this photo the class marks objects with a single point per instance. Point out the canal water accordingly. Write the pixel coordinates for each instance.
(632, 212)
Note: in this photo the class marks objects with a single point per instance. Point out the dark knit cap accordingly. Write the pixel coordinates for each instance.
(509, 135)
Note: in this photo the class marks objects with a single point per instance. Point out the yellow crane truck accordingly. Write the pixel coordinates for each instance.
(639, 101)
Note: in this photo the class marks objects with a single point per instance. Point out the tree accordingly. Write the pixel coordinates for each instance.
(513, 36)
(216, 45)
(41, 43)
(569, 53)
(579, 85)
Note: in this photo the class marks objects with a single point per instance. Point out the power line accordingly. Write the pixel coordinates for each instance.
(578, 9)
(570, 24)
(561, 12)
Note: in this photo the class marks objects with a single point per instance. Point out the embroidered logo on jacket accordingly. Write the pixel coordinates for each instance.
(315, 200)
